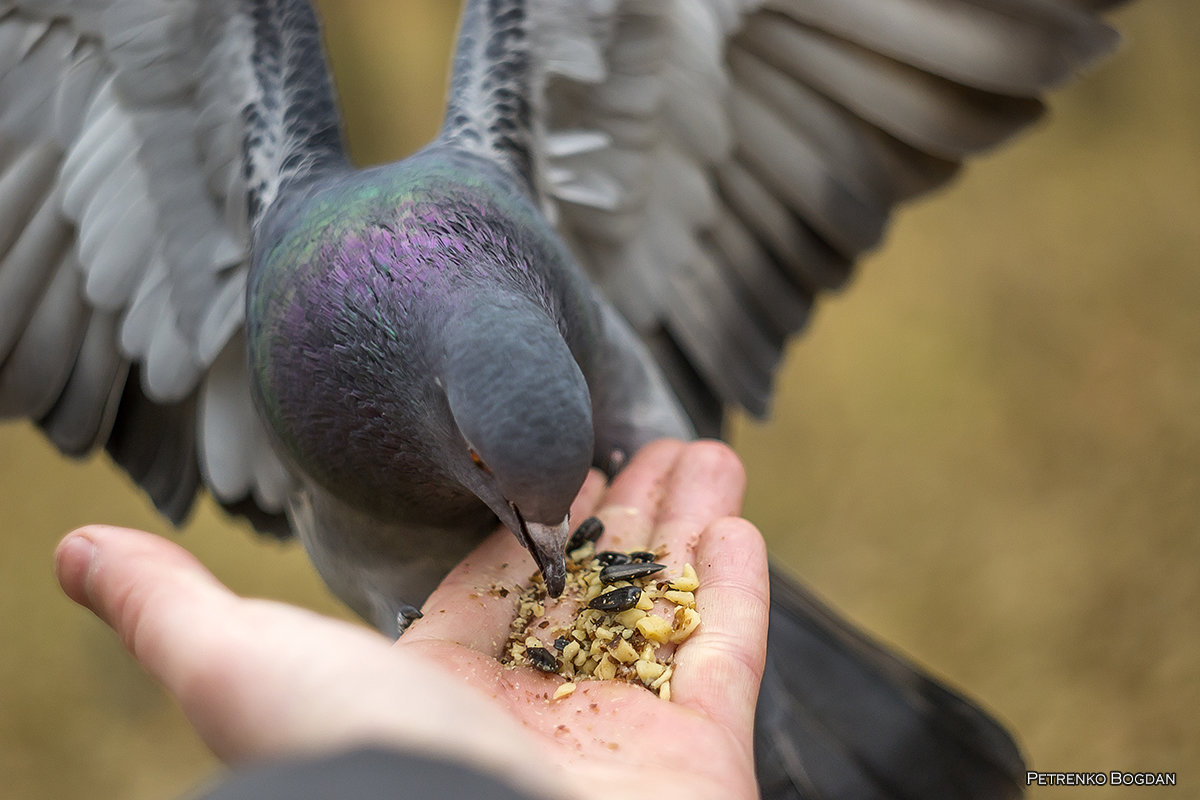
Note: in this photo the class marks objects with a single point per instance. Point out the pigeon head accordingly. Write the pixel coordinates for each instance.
(415, 365)
(521, 435)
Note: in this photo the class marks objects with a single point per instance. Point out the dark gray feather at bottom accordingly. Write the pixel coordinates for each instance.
(156, 444)
(841, 717)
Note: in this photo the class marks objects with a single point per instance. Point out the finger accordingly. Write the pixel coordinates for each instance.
(475, 603)
(263, 680)
(141, 585)
(718, 670)
(707, 483)
(230, 662)
(631, 504)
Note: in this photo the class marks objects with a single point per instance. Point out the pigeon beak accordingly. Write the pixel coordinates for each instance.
(547, 544)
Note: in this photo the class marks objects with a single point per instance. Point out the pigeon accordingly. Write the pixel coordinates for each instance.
(629, 210)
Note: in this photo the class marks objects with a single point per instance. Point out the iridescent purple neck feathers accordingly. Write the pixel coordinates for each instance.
(378, 290)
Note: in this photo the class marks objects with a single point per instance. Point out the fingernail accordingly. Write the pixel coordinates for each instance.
(72, 563)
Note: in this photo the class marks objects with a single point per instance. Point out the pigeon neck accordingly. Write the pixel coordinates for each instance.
(488, 111)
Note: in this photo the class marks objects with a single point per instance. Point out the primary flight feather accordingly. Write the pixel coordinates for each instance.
(630, 207)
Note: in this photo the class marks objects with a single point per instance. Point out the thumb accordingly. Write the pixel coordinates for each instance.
(253, 677)
(260, 679)
(143, 586)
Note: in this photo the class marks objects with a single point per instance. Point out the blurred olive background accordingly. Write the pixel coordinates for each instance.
(987, 451)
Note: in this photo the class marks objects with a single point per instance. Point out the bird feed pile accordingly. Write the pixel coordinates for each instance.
(629, 620)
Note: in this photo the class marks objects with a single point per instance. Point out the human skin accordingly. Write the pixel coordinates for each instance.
(259, 679)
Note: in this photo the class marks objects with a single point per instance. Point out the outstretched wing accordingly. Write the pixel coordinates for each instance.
(716, 164)
(139, 142)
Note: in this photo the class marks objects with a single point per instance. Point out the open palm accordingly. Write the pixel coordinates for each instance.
(260, 679)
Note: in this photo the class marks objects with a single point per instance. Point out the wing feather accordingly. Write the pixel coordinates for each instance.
(27, 177)
(847, 216)
(139, 142)
(1015, 48)
(754, 149)
(783, 304)
(37, 368)
(114, 266)
(83, 414)
(927, 111)
(42, 240)
(804, 257)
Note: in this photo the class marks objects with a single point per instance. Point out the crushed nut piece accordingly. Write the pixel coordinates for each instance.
(624, 652)
(648, 671)
(680, 598)
(606, 670)
(687, 582)
(656, 629)
(629, 618)
(686, 622)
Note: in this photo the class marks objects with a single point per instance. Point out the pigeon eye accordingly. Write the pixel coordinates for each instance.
(478, 461)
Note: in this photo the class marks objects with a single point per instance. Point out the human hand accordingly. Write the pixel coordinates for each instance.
(260, 679)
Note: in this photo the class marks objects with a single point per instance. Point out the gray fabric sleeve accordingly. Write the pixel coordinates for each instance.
(360, 774)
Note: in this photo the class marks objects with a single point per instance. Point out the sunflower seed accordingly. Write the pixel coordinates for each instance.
(560, 643)
(541, 658)
(617, 600)
(627, 572)
(642, 557)
(610, 557)
(588, 531)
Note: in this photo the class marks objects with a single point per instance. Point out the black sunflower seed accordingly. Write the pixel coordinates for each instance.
(588, 531)
(541, 658)
(607, 557)
(627, 572)
(642, 557)
(620, 599)
(560, 643)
